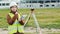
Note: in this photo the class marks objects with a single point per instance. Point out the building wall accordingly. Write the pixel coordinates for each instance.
(25, 4)
(38, 5)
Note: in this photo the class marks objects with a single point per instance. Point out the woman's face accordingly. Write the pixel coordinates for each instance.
(13, 8)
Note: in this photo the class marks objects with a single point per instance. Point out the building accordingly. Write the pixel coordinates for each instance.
(40, 3)
(32, 3)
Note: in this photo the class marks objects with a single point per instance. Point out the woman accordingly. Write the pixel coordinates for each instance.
(14, 20)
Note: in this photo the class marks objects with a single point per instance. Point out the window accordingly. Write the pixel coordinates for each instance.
(47, 5)
(27, 5)
(53, 1)
(0, 4)
(58, 0)
(17, 3)
(41, 5)
(47, 1)
(22, 2)
(28, 1)
(3, 4)
(41, 2)
(30, 5)
(34, 1)
(53, 5)
(7, 4)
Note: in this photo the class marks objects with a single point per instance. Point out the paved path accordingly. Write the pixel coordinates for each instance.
(3, 31)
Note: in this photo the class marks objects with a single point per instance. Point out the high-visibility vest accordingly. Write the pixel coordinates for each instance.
(16, 26)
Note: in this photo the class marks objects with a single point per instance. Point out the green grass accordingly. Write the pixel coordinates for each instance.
(47, 18)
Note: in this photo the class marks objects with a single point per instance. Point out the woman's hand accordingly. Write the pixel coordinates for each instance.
(16, 13)
(21, 20)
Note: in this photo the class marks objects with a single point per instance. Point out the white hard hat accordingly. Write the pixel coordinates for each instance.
(13, 4)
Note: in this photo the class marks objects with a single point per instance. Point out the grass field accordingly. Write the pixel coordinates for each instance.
(47, 18)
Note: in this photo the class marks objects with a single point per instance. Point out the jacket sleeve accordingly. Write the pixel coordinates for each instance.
(11, 20)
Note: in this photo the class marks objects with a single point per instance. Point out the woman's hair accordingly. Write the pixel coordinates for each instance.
(12, 6)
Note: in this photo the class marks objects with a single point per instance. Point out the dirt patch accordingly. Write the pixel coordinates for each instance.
(31, 30)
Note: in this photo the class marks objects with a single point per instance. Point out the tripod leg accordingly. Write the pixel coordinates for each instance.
(27, 19)
(38, 28)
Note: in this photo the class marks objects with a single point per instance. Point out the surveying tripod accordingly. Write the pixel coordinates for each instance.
(38, 30)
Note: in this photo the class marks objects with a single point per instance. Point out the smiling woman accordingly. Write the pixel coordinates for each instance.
(14, 21)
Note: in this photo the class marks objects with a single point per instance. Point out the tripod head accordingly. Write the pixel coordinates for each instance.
(32, 9)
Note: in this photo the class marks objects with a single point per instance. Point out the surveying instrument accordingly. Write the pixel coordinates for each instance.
(38, 29)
